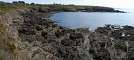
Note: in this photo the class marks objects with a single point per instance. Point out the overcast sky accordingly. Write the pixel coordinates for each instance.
(109, 3)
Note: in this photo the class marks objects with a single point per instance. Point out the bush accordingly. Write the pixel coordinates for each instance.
(18, 2)
(1, 57)
(2, 28)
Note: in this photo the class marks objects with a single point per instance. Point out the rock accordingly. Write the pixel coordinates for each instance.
(74, 36)
(44, 34)
(39, 27)
(27, 31)
(44, 9)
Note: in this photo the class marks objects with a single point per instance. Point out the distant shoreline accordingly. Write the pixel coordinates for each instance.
(55, 7)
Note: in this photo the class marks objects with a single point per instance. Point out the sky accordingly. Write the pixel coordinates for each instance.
(107, 3)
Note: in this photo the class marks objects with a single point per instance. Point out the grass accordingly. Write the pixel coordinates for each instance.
(1, 57)
(2, 31)
(6, 7)
(6, 41)
(2, 28)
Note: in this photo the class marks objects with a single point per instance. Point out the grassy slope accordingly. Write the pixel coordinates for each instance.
(5, 7)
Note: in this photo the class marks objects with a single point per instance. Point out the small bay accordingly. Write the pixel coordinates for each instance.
(93, 20)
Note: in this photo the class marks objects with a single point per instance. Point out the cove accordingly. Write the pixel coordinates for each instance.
(92, 20)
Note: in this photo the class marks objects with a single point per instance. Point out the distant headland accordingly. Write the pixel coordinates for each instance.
(55, 7)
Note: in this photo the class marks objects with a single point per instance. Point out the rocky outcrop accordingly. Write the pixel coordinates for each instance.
(124, 33)
(35, 37)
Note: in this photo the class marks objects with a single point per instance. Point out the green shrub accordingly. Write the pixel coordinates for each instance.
(2, 29)
(1, 57)
(11, 46)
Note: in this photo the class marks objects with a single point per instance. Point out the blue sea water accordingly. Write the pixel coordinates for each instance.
(93, 20)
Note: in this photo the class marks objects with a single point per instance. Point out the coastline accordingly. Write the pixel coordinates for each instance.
(36, 37)
(67, 42)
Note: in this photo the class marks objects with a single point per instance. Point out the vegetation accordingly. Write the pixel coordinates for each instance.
(7, 44)
(1, 57)
(4, 7)
(2, 28)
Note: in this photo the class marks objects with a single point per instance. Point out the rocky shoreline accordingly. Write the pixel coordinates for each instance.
(38, 38)
(49, 41)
